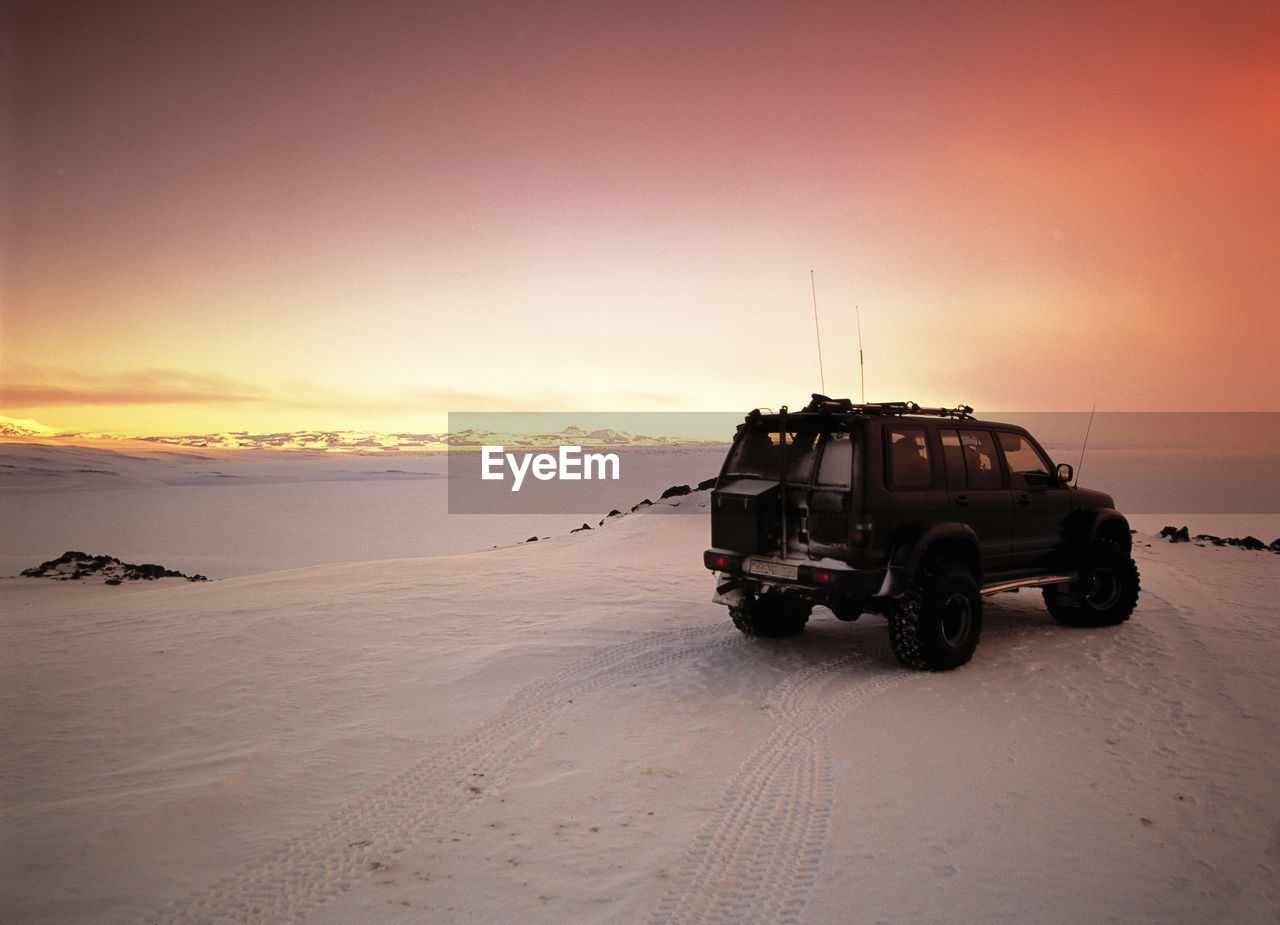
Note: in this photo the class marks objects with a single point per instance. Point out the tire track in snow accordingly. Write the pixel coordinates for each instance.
(757, 857)
(304, 871)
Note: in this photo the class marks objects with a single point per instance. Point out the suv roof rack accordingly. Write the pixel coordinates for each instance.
(821, 403)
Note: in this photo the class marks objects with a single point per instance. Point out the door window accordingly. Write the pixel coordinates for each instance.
(1023, 456)
(971, 458)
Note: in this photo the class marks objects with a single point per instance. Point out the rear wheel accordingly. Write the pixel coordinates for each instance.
(773, 614)
(937, 623)
(1105, 593)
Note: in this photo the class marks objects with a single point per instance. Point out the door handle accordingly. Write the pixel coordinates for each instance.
(962, 500)
(1024, 498)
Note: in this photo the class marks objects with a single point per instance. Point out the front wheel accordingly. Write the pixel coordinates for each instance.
(773, 614)
(1105, 593)
(937, 623)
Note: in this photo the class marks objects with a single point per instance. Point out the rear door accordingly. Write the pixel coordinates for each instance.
(977, 490)
(828, 509)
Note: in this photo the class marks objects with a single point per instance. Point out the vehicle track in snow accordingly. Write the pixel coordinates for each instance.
(304, 871)
(755, 860)
(757, 856)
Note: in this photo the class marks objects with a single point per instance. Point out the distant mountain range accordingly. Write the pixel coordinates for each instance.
(354, 441)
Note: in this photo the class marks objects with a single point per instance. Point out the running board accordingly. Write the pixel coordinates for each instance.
(1034, 582)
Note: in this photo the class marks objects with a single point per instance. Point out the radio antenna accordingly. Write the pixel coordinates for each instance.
(862, 367)
(817, 332)
(1086, 441)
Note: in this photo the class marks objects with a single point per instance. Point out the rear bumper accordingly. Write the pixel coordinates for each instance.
(821, 579)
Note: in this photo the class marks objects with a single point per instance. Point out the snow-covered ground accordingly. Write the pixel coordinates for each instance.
(569, 730)
(228, 513)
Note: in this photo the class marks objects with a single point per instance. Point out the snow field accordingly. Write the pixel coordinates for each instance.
(570, 730)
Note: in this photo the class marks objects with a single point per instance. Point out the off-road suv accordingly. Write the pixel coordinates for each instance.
(909, 512)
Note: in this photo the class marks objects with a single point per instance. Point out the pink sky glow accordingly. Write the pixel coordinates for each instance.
(238, 215)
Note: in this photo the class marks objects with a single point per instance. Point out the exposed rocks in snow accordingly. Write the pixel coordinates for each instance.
(1246, 542)
(77, 566)
(1183, 535)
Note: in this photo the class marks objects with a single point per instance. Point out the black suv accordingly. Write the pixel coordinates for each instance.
(909, 512)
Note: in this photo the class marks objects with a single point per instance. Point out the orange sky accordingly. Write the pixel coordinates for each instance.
(245, 216)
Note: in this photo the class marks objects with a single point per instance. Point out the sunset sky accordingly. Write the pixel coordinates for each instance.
(270, 216)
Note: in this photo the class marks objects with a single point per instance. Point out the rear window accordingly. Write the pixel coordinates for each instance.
(759, 454)
(835, 467)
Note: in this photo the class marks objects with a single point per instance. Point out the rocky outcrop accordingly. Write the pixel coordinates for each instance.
(79, 566)
(1183, 535)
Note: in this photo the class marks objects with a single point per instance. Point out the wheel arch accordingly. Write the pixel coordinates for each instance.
(1114, 528)
(953, 541)
(1085, 527)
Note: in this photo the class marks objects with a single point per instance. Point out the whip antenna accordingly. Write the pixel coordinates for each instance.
(817, 333)
(1086, 440)
(862, 367)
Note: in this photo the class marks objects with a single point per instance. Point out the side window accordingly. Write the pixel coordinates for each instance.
(836, 464)
(981, 463)
(1022, 455)
(908, 457)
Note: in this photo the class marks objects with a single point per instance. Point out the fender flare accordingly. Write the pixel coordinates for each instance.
(1084, 527)
(909, 547)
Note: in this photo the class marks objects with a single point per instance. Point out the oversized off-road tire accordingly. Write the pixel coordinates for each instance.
(773, 614)
(1105, 593)
(937, 623)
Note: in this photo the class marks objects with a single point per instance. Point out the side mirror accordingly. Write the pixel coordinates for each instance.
(1065, 473)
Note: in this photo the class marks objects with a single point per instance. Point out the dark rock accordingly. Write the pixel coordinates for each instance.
(676, 491)
(706, 483)
(75, 566)
(532, 539)
(645, 503)
(1177, 534)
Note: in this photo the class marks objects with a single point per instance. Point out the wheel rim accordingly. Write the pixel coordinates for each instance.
(1104, 589)
(957, 620)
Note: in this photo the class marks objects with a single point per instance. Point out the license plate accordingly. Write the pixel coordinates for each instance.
(773, 569)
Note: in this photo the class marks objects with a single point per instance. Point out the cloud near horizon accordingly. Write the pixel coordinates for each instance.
(140, 387)
(300, 404)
